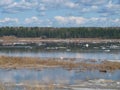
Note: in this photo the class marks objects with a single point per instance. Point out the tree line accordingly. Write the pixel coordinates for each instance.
(50, 32)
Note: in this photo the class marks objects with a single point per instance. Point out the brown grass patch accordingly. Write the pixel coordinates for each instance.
(31, 85)
(13, 39)
(27, 86)
(38, 63)
(17, 62)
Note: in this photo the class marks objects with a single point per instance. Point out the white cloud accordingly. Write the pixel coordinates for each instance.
(42, 7)
(97, 19)
(53, 1)
(116, 20)
(90, 8)
(103, 21)
(42, 14)
(94, 7)
(110, 5)
(48, 22)
(110, 9)
(92, 2)
(5, 2)
(70, 20)
(92, 21)
(19, 6)
(35, 21)
(31, 20)
(78, 20)
(71, 5)
(67, 12)
(59, 3)
(9, 20)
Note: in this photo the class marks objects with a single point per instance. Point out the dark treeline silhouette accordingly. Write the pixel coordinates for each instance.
(49, 32)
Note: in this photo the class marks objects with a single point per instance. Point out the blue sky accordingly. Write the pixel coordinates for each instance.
(60, 13)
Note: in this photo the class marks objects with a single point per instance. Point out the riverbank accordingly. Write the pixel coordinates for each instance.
(10, 40)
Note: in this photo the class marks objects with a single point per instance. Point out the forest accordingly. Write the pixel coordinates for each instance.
(72, 32)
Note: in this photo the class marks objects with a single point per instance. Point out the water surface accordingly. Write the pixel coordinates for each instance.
(60, 75)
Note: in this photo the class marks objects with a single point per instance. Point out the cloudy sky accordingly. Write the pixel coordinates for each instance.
(60, 13)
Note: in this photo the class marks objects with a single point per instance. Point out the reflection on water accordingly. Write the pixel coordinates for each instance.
(60, 75)
(84, 54)
(57, 75)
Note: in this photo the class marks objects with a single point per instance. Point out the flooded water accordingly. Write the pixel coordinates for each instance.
(56, 75)
(60, 75)
(98, 51)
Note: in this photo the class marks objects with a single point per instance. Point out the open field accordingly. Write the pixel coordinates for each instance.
(38, 63)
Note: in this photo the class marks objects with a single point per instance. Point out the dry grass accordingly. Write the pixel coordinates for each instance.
(12, 39)
(108, 65)
(38, 63)
(28, 62)
(2, 87)
(31, 85)
(27, 86)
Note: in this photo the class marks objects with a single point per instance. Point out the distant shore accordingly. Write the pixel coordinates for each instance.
(9, 40)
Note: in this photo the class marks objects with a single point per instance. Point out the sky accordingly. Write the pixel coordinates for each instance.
(60, 13)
